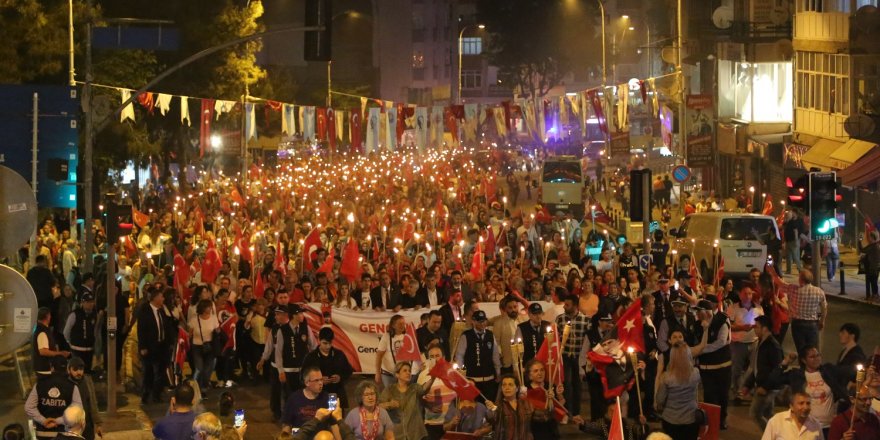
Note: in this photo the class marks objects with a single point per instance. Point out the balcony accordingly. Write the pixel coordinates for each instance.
(820, 123)
(821, 31)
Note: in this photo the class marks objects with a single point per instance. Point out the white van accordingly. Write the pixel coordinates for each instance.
(735, 234)
(562, 185)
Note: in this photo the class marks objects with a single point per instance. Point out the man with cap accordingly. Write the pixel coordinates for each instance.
(680, 320)
(478, 353)
(87, 286)
(715, 361)
(333, 364)
(574, 350)
(49, 398)
(44, 345)
(76, 374)
(504, 327)
(79, 330)
(663, 300)
(277, 376)
(532, 332)
(292, 343)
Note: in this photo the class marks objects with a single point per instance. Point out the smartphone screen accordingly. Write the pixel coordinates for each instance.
(239, 418)
(332, 402)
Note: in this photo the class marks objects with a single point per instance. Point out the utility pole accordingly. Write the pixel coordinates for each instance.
(88, 190)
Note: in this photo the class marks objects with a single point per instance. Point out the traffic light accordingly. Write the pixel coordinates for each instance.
(823, 205)
(637, 194)
(118, 221)
(317, 43)
(798, 195)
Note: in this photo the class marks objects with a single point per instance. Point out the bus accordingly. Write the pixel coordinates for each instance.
(562, 185)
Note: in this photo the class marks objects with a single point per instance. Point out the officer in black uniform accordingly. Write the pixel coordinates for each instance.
(478, 353)
(532, 332)
(278, 393)
(681, 321)
(79, 330)
(293, 342)
(49, 398)
(44, 345)
(715, 361)
(335, 368)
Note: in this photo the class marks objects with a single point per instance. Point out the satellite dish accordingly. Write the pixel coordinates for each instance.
(722, 18)
(859, 126)
(18, 310)
(18, 211)
(669, 54)
(867, 19)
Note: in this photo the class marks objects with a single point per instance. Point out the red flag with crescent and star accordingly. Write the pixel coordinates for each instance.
(409, 350)
(453, 379)
(549, 355)
(630, 329)
(310, 245)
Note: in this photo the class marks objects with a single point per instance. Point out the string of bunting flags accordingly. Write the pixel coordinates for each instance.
(380, 125)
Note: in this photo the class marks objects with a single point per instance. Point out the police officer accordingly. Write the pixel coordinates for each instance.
(532, 332)
(335, 368)
(79, 330)
(715, 361)
(478, 352)
(44, 345)
(279, 390)
(292, 343)
(680, 320)
(49, 398)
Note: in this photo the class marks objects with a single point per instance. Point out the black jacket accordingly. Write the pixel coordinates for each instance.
(846, 365)
(796, 378)
(148, 330)
(767, 376)
(378, 301)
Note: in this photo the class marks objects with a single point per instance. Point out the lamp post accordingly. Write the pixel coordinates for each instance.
(604, 66)
(460, 50)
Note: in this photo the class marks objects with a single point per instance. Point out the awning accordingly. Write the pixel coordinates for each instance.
(852, 150)
(819, 156)
(863, 171)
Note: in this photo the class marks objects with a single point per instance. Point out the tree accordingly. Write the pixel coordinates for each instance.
(536, 43)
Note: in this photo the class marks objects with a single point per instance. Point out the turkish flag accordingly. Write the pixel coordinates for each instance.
(630, 330)
(599, 215)
(327, 267)
(351, 261)
(549, 355)
(331, 129)
(310, 245)
(139, 218)
(259, 289)
(236, 197)
(279, 259)
(207, 115)
(490, 241)
(182, 347)
(477, 266)
(321, 123)
(213, 263)
(243, 245)
(615, 431)
(409, 350)
(228, 327)
(355, 130)
(601, 361)
(181, 271)
(768, 207)
(453, 379)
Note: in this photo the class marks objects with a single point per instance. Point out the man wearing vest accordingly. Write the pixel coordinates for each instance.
(93, 421)
(49, 398)
(681, 321)
(43, 342)
(292, 343)
(663, 299)
(715, 359)
(79, 330)
(478, 353)
(532, 332)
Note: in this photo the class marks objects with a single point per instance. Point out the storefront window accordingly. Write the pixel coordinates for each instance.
(755, 92)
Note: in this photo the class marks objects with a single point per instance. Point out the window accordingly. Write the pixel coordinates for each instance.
(745, 228)
(471, 79)
(418, 59)
(562, 172)
(823, 82)
(832, 5)
(471, 46)
(755, 92)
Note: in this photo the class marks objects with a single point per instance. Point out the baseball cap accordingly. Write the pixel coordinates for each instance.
(535, 308)
(479, 315)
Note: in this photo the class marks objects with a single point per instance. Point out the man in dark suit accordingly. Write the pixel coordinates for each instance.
(430, 293)
(453, 310)
(851, 354)
(384, 296)
(663, 300)
(42, 281)
(432, 333)
(764, 375)
(154, 337)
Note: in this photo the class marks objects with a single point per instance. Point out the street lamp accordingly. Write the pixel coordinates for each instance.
(460, 50)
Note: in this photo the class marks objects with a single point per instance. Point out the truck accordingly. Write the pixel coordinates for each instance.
(562, 185)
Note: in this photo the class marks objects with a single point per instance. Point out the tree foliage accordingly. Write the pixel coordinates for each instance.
(536, 43)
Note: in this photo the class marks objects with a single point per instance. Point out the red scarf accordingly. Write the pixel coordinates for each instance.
(370, 428)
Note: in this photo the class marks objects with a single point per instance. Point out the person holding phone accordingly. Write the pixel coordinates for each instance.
(326, 424)
(302, 405)
(177, 425)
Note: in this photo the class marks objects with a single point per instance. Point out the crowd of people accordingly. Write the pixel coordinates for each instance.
(212, 287)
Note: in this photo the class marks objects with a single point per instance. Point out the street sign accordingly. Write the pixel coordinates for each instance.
(681, 174)
(644, 262)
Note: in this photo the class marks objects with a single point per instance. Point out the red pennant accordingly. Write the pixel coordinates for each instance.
(206, 116)
(596, 102)
(331, 129)
(147, 99)
(355, 128)
(321, 124)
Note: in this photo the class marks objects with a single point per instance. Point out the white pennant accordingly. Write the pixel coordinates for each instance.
(128, 111)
